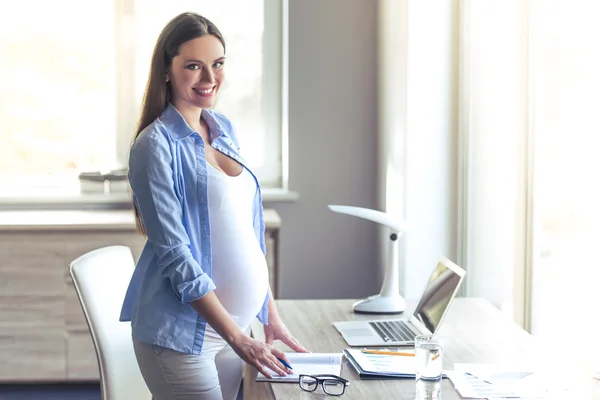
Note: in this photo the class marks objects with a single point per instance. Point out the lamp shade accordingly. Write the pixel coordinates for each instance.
(396, 225)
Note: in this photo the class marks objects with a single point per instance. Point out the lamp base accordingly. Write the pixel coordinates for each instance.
(380, 305)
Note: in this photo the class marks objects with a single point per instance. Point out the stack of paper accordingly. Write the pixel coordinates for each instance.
(487, 381)
(375, 366)
(380, 366)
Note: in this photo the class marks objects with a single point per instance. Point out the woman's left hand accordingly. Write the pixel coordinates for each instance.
(276, 330)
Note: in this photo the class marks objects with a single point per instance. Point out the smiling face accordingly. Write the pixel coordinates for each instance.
(196, 73)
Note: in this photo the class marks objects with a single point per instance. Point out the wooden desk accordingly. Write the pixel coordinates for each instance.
(475, 332)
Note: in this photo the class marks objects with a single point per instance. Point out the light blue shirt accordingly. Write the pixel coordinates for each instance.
(168, 176)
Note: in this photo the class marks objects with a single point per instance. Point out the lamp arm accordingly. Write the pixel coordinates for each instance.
(389, 300)
(382, 218)
(391, 284)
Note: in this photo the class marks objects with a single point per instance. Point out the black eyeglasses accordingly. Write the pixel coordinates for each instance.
(333, 385)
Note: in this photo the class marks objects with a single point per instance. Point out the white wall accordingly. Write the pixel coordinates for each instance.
(418, 130)
(333, 151)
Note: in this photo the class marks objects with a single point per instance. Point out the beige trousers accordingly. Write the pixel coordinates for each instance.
(214, 374)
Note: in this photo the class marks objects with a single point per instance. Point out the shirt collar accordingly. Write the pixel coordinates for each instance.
(179, 129)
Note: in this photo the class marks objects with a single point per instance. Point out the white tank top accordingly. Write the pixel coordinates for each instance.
(239, 267)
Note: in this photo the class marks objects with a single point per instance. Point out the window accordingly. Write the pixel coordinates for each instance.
(530, 96)
(75, 82)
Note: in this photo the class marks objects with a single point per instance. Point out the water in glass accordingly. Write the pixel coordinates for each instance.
(429, 370)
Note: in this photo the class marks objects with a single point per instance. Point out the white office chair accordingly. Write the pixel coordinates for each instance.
(101, 278)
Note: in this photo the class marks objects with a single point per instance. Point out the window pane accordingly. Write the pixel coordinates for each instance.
(57, 77)
(241, 98)
(64, 109)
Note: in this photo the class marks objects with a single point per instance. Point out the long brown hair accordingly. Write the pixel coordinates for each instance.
(182, 28)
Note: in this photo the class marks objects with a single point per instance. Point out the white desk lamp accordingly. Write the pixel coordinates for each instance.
(388, 301)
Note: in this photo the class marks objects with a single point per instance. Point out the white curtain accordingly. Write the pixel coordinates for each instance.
(493, 130)
(530, 95)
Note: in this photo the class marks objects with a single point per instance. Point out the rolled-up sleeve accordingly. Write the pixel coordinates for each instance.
(152, 182)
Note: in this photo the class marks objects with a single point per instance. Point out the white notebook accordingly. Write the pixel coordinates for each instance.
(307, 364)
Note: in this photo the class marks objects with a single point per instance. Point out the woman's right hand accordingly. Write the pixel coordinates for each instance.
(252, 351)
(260, 355)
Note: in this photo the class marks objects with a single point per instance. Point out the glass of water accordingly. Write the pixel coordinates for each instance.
(428, 361)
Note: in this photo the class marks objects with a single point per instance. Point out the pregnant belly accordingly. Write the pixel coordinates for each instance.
(241, 276)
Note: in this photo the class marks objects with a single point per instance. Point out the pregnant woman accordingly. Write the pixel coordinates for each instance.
(202, 277)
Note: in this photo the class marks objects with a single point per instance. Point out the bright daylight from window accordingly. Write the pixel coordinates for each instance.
(60, 93)
(566, 273)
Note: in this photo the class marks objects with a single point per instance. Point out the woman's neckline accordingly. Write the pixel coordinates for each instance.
(223, 173)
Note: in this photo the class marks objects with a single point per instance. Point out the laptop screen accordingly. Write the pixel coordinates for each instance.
(441, 288)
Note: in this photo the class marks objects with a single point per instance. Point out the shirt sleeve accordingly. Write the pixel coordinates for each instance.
(152, 183)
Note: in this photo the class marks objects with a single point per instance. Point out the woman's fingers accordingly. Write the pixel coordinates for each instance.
(276, 366)
(281, 355)
(263, 371)
(266, 360)
(294, 345)
(278, 353)
(263, 357)
(269, 365)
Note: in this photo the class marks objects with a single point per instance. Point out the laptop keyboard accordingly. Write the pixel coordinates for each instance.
(393, 331)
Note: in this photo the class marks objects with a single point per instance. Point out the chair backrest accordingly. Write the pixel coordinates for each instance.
(101, 278)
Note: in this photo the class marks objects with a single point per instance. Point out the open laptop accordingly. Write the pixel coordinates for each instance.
(439, 292)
